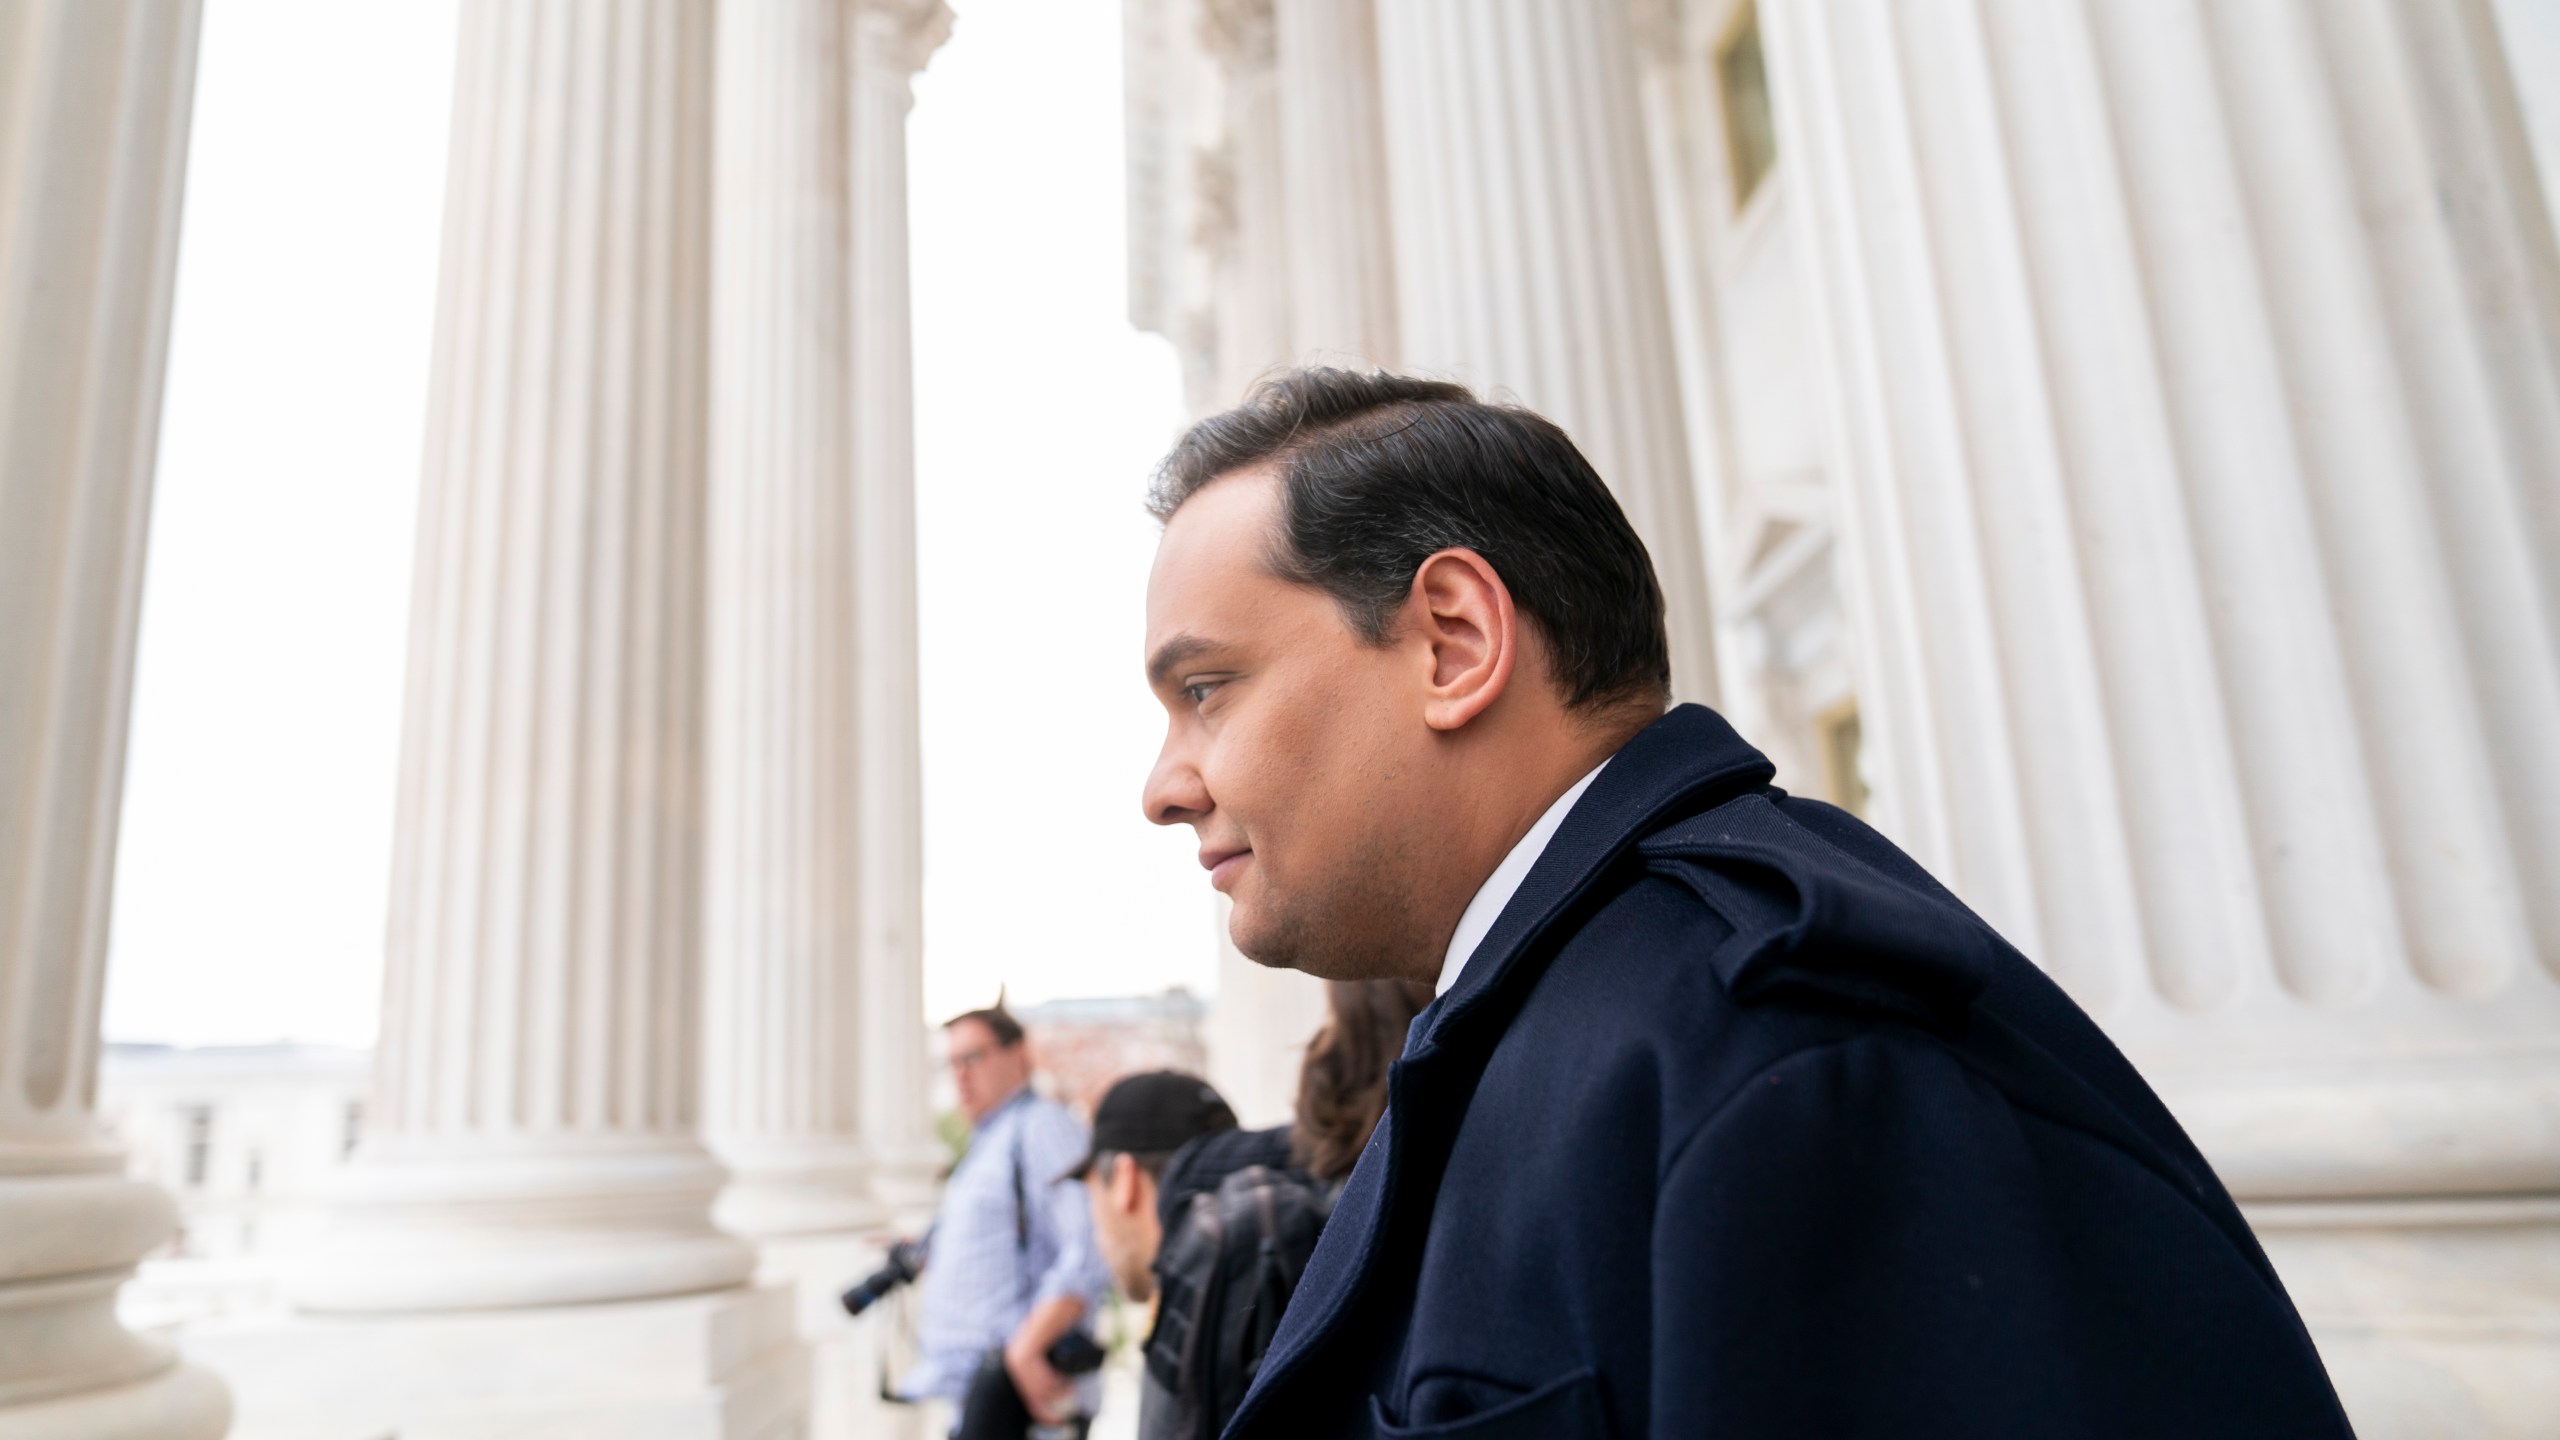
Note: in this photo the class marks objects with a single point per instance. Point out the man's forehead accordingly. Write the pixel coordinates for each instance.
(1211, 555)
(1230, 516)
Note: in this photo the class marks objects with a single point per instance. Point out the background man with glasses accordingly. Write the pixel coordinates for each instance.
(1011, 1265)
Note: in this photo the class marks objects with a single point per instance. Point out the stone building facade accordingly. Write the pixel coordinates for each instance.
(2114, 445)
(250, 1138)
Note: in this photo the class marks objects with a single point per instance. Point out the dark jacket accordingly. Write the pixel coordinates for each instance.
(1181, 1393)
(1198, 1167)
(1229, 1263)
(1737, 1124)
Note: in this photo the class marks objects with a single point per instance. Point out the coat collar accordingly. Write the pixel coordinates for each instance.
(1687, 757)
(1687, 760)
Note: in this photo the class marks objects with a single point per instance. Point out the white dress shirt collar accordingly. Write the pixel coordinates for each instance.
(1504, 882)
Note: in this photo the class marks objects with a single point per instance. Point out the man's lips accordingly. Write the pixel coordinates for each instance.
(1223, 865)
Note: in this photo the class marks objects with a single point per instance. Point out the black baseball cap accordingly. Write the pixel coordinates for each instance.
(1154, 1114)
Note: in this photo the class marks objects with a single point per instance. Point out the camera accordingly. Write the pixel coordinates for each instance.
(905, 1263)
(1076, 1353)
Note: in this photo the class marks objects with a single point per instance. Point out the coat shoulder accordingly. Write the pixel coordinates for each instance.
(1817, 909)
(1769, 925)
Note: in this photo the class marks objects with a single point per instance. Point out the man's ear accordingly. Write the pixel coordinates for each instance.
(1462, 612)
(1127, 1194)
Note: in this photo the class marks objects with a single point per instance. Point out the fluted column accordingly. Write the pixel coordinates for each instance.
(1333, 191)
(892, 40)
(782, 943)
(1241, 194)
(533, 1136)
(1527, 257)
(93, 148)
(801, 473)
(2196, 370)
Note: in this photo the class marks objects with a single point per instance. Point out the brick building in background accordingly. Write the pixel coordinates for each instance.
(1082, 1045)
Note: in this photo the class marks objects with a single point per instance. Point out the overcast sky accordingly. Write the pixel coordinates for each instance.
(256, 844)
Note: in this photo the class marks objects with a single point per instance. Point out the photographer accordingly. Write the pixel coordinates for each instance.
(1011, 1269)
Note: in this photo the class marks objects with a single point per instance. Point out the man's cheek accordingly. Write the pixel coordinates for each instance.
(1239, 784)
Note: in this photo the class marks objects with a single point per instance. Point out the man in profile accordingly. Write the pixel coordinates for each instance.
(1728, 1120)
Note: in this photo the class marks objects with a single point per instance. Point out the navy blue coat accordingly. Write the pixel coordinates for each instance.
(1738, 1124)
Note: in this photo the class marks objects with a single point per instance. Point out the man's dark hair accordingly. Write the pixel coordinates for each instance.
(998, 1020)
(1379, 472)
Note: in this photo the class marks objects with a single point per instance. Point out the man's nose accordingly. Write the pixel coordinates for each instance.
(1175, 793)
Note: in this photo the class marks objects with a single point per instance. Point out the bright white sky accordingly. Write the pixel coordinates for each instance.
(256, 848)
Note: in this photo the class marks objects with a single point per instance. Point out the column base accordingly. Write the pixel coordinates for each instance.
(485, 1229)
(69, 1239)
(907, 1180)
(2439, 1319)
(2485, 1124)
(181, 1402)
(724, 1366)
(795, 1188)
(850, 1356)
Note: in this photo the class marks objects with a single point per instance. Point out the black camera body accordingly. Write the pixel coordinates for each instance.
(905, 1263)
(1075, 1353)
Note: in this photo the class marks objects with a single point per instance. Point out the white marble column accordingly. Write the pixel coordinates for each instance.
(1333, 191)
(1170, 92)
(533, 1137)
(1245, 227)
(2196, 392)
(782, 979)
(809, 421)
(1527, 258)
(93, 149)
(891, 41)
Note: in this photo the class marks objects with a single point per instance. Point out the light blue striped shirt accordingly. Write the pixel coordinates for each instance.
(991, 1263)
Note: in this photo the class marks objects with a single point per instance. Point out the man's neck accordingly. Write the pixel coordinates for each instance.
(1557, 765)
(1550, 769)
(987, 1116)
(1494, 895)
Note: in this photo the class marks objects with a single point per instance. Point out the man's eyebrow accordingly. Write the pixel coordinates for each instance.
(1174, 653)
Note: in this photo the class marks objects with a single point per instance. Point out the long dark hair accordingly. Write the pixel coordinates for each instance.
(1342, 1087)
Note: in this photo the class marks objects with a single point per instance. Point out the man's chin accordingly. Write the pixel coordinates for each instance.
(1263, 944)
(1281, 944)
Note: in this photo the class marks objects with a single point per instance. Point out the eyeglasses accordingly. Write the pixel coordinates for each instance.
(968, 1060)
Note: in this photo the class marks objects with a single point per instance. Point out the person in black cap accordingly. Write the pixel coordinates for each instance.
(1211, 1223)
(1141, 1122)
